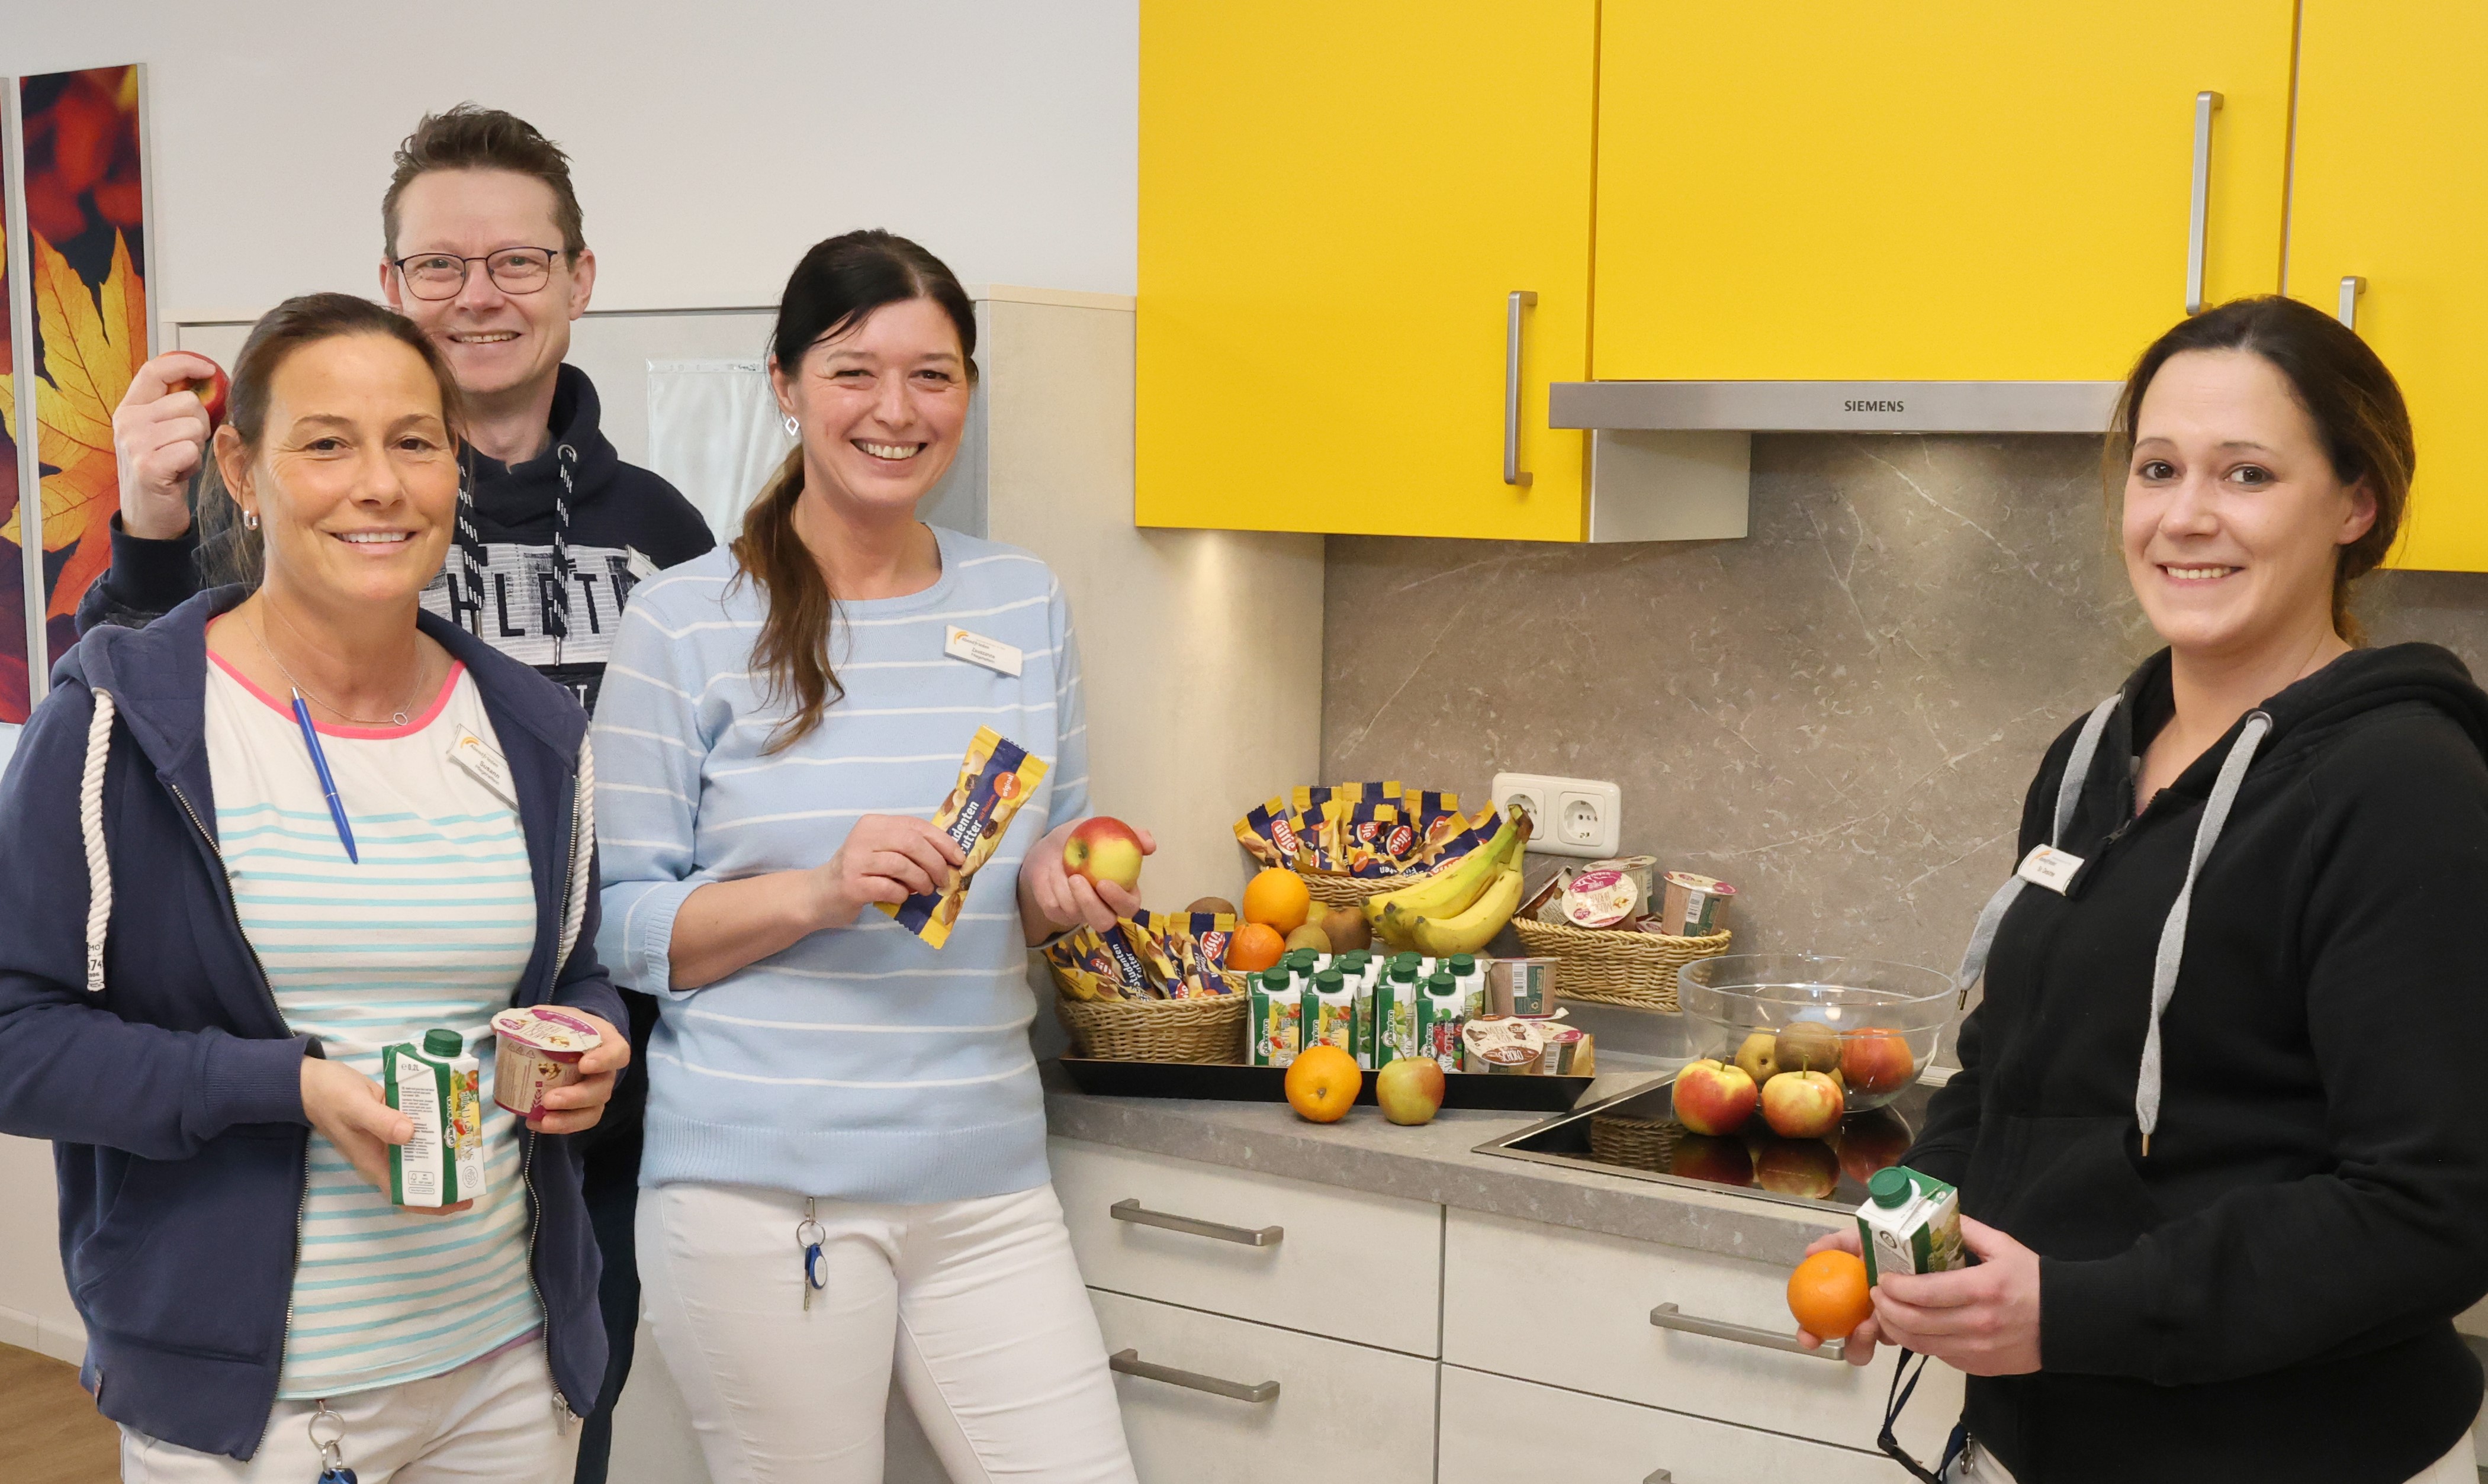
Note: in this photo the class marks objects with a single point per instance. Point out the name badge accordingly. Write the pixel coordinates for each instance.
(2049, 867)
(641, 567)
(483, 765)
(975, 649)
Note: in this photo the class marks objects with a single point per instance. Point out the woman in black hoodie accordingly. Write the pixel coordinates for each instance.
(2219, 1130)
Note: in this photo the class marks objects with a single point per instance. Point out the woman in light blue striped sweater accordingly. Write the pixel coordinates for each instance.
(847, 1141)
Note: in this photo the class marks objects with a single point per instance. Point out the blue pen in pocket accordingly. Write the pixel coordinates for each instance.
(327, 784)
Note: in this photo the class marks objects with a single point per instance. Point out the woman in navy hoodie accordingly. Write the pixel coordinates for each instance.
(295, 821)
(2218, 1129)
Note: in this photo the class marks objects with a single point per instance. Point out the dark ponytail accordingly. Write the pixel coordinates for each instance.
(836, 286)
(2354, 402)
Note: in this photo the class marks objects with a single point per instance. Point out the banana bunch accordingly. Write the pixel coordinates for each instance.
(1459, 908)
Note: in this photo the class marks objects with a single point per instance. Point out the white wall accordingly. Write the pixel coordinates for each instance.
(710, 144)
(35, 1309)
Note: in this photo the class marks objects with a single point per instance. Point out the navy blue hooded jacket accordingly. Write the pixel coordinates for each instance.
(172, 1088)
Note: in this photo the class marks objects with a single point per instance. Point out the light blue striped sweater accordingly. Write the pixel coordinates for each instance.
(860, 1063)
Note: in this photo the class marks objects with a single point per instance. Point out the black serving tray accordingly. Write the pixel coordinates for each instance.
(1230, 1084)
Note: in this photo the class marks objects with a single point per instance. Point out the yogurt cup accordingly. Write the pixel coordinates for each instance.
(537, 1050)
(1601, 899)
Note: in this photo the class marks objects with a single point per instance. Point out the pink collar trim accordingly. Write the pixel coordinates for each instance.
(285, 708)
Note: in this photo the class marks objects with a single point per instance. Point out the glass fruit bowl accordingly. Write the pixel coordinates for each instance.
(1868, 1025)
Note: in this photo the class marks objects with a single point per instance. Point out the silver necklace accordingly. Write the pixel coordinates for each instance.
(396, 718)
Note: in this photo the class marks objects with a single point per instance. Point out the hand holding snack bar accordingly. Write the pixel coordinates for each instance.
(350, 1110)
(1051, 899)
(886, 860)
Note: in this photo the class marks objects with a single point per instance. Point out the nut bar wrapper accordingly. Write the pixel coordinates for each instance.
(997, 776)
(1269, 834)
(1196, 942)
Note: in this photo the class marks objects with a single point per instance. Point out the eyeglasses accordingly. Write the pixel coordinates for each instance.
(512, 269)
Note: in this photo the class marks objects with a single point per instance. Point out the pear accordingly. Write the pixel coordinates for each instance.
(1759, 1057)
(1310, 937)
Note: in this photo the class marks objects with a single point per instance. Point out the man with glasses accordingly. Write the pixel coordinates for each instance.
(485, 252)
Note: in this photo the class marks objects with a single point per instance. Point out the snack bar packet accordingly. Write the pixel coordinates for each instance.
(1268, 834)
(995, 778)
(1196, 943)
(1449, 843)
(1137, 944)
(1368, 828)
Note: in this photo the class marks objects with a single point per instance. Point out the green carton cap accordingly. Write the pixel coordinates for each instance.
(442, 1042)
(1463, 964)
(1275, 979)
(1891, 1188)
(1404, 973)
(1404, 960)
(1354, 958)
(1301, 958)
(1441, 983)
(1329, 982)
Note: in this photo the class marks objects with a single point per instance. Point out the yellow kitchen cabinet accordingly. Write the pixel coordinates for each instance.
(2388, 187)
(1946, 190)
(1337, 203)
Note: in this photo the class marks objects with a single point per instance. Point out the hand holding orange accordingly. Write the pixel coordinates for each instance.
(1829, 1295)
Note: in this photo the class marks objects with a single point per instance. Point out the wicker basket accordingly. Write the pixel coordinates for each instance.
(1196, 1030)
(1615, 967)
(1636, 1143)
(1336, 890)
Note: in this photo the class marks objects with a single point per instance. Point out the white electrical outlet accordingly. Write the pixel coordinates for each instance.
(1567, 815)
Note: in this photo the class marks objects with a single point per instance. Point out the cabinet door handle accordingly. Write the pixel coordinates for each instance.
(1247, 1236)
(2198, 215)
(2351, 288)
(1667, 1316)
(1130, 1363)
(1659, 1476)
(1513, 474)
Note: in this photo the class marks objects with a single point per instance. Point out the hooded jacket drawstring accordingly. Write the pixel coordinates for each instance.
(2173, 931)
(99, 864)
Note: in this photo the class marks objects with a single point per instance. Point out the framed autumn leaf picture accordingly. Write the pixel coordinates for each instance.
(83, 225)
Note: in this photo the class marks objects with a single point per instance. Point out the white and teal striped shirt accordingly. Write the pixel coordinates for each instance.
(433, 928)
(858, 1064)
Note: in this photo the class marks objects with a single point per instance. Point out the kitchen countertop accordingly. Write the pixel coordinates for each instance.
(1437, 1162)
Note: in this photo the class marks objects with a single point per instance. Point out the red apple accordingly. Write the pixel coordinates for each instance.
(211, 389)
(1797, 1166)
(1712, 1097)
(1719, 1160)
(1410, 1089)
(1874, 1060)
(1872, 1141)
(1802, 1105)
(1104, 849)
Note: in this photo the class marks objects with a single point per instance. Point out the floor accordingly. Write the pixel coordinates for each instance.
(49, 1431)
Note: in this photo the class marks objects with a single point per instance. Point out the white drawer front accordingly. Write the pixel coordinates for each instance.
(1340, 1412)
(1584, 1322)
(1363, 1267)
(1496, 1431)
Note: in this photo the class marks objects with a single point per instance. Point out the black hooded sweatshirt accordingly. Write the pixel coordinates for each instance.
(2269, 1293)
(625, 524)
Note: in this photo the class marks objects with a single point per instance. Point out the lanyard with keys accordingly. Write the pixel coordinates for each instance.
(809, 1236)
(330, 1440)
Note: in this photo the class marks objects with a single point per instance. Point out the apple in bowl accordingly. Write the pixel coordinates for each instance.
(1802, 1105)
(1712, 1097)
(1104, 849)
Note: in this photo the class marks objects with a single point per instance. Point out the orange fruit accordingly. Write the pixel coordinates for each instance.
(1322, 1084)
(1277, 899)
(1827, 1294)
(1257, 945)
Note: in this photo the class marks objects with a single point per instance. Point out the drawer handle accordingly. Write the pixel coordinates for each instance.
(1134, 1212)
(2348, 313)
(1667, 1316)
(1659, 1476)
(1130, 1363)
(1513, 474)
(2199, 210)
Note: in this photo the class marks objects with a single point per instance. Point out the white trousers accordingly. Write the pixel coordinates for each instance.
(976, 1304)
(490, 1421)
(2459, 1467)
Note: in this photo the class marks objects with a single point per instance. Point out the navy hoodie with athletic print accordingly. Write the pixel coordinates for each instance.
(146, 1045)
(500, 582)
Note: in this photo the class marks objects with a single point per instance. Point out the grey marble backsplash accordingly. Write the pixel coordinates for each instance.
(1838, 715)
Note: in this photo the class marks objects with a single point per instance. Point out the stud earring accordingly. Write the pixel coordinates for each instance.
(250, 520)
(794, 429)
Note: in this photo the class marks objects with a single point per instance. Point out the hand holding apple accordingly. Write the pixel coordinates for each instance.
(159, 438)
(1104, 849)
(1052, 897)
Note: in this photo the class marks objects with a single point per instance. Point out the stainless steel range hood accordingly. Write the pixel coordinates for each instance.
(1834, 406)
(1669, 461)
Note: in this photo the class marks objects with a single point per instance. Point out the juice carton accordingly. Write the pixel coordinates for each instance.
(1351, 967)
(1470, 976)
(1394, 1015)
(437, 1086)
(1910, 1223)
(1441, 1009)
(1277, 1008)
(1330, 1012)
